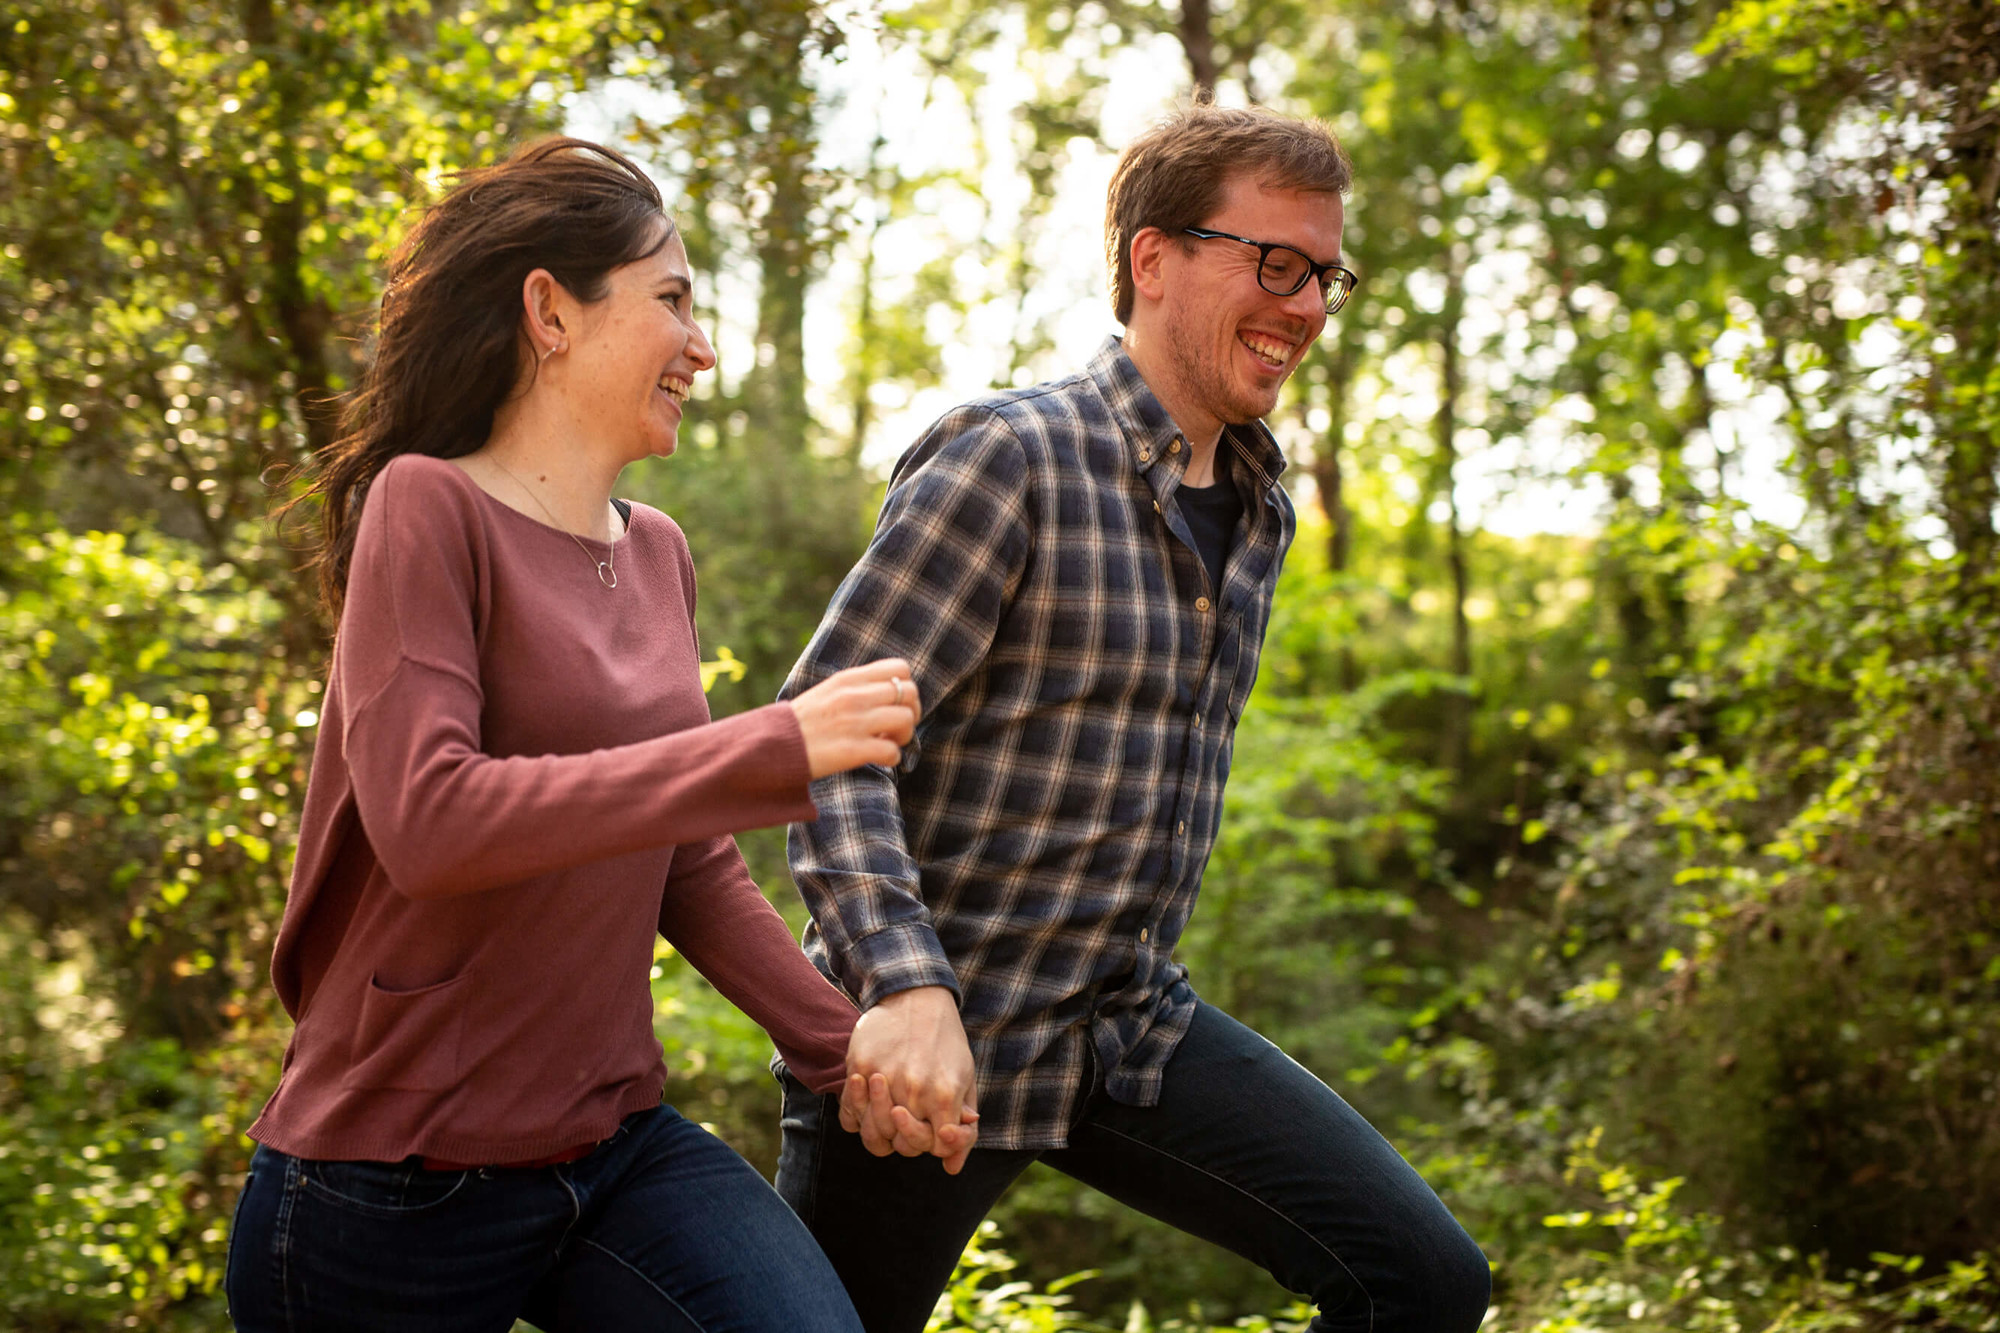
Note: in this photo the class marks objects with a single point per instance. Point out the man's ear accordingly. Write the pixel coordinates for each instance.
(1149, 259)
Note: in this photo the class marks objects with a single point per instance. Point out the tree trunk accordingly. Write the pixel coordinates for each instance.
(776, 388)
(1450, 381)
(1330, 480)
(861, 376)
(1198, 41)
(1326, 467)
(305, 320)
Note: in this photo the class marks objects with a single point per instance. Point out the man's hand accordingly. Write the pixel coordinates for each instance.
(910, 1080)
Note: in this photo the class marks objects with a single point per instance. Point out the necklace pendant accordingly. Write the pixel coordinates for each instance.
(606, 575)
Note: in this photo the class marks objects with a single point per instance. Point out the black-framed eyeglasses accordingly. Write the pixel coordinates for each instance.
(1281, 270)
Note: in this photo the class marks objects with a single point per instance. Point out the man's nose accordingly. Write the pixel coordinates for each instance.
(1308, 305)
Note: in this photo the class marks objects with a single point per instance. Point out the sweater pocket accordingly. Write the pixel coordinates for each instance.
(408, 1040)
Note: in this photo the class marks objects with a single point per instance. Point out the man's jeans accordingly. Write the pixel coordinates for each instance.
(662, 1227)
(1245, 1149)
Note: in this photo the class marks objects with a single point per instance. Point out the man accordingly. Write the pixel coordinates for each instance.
(1080, 575)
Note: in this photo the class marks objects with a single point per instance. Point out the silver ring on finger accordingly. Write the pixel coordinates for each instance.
(897, 682)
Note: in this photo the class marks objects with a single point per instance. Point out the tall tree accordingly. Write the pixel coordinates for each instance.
(1919, 77)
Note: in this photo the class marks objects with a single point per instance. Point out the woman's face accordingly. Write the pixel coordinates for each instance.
(633, 361)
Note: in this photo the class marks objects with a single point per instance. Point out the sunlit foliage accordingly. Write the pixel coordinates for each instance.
(1638, 879)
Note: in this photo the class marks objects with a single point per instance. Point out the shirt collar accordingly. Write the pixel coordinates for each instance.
(1150, 432)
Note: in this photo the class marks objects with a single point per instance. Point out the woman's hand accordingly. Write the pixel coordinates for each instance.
(912, 1087)
(863, 715)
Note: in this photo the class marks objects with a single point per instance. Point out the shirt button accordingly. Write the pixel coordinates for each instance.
(1156, 506)
(1197, 719)
(1143, 935)
(1174, 448)
(1181, 827)
(1201, 603)
(1145, 455)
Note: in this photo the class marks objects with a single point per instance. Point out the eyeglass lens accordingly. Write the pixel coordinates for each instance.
(1285, 270)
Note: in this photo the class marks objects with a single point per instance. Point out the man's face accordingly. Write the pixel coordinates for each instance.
(1230, 343)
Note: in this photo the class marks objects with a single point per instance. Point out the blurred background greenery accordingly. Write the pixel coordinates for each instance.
(1617, 821)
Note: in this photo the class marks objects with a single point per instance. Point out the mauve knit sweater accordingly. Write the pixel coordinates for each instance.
(516, 784)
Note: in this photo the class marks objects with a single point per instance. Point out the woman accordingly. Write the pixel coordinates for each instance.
(516, 785)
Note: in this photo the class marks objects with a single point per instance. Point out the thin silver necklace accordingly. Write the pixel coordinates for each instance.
(607, 570)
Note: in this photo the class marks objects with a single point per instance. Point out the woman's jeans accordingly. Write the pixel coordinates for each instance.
(1245, 1149)
(661, 1227)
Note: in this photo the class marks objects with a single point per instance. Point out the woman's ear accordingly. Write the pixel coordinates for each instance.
(542, 303)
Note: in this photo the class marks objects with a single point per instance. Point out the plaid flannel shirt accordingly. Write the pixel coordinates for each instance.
(1040, 846)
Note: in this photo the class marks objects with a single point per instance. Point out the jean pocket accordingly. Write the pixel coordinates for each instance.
(408, 1040)
(380, 1189)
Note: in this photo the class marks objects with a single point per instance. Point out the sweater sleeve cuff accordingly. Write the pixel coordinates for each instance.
(790, 771)
(900, 958)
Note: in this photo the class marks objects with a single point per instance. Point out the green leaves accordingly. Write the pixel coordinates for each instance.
(1683, 826)
(152, 749)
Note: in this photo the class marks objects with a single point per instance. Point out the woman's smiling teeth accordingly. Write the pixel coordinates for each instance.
(675, 387)
(1268, 350)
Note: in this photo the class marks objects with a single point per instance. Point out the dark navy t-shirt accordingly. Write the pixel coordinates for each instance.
(1211, 513)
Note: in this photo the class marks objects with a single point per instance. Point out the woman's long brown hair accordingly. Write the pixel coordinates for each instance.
(448, 350)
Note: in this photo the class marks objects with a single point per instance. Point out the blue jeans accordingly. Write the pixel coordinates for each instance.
(1245, 1149)
(662, 1227)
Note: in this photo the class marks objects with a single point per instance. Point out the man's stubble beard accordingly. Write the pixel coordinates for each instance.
(1206, 384)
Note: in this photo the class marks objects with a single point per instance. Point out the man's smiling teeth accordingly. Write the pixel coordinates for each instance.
(675, 387)
(1270, 350)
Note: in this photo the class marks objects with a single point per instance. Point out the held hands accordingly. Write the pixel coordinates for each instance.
(910, 1079)
(863, 715)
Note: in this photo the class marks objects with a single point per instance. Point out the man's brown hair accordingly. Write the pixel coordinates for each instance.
(1173, 175)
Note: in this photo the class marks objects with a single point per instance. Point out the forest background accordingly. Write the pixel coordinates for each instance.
(1638, 871)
